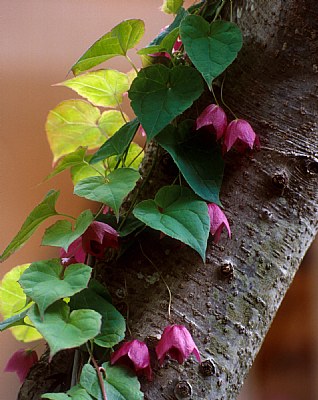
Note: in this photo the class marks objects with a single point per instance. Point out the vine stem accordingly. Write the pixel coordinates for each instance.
(95, 169)
(135, 158)
(131, 63)
(67, 216)
(163, 280)
(216, 100)
(219, 10)
(139, 189)
(98, 372)
(228, 107)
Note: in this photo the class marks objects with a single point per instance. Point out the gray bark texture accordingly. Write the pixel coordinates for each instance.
(271, 199)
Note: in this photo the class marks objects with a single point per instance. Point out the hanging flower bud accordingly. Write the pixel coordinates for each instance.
(74, 254)
(213, 117)
(134, 354)
(240, 133)
(20, 362)
(218, 220)
(99, 236)
(176, 341)
(177, 45)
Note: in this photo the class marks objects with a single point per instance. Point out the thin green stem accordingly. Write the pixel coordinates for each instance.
(135, 158)
(98, 372)
(95, 169)
(131, 63)
(162, 278)
(228, 107)
(218, 11)
(212, 91)
(132, 204)
(67, 216)
(99, 211)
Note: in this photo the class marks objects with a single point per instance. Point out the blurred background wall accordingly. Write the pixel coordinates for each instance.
(40, 40)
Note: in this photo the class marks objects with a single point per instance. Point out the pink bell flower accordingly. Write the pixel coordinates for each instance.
(218, 220)
(20, 362)
(136, 354)
(240, 133)
(176, 341)
(177, 44)
(213, 117)
(99, 236)
(74, 254)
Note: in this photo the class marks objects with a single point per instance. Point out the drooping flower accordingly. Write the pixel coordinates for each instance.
(74, 254)
(176, 341)
(136, 354)
(218, 220)
(240, 133)
(99, 236)
(20, 362)
(213, 117)
(177, 45)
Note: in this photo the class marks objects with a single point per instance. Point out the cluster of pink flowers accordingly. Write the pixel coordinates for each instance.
(237, 133)
(175, 341)
(95, 240)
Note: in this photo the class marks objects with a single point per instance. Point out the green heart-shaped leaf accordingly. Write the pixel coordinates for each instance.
(117, 42)
(75, 393)
(178, 213)
(61, 234)
(182, 13)
(159, 94)
(118, 143)
(102, 88)
(64, 330)
(113, 323)
(40, 213)
(120, 383)
(211, 47)
(69, 161)
(56, 396)
(38, 280)
(198, 157)
(110, 191)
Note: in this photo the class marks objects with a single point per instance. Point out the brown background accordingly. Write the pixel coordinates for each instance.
(41, 39)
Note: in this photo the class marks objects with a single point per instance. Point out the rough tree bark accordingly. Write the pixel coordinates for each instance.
(271, 199)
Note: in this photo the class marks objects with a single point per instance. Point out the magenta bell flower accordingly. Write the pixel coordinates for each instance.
(214, 118)
(240, 133)
(20, 362)
(134, 353)
(99, 236)
(176, 341)
(218, 220)
(74, 254)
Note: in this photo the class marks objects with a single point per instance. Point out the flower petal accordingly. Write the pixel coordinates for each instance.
(20, 362)
(213, 116)
(218, 220)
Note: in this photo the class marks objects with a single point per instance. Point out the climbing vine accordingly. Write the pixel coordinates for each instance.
(178, 104)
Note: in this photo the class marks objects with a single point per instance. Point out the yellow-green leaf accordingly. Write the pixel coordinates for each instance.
(111, 121)
(71, 124)
(102, 88)
(117, 42)
(13, 301)
(171, 6)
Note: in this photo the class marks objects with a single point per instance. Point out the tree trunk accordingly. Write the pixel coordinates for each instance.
(229, 302)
